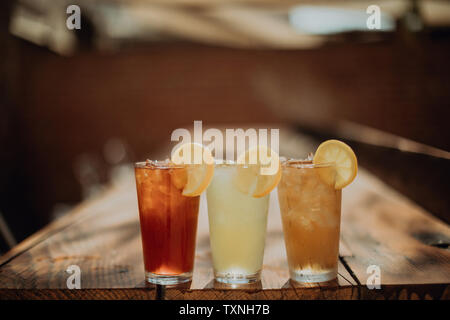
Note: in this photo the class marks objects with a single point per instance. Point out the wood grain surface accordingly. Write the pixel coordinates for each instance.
(379, 227)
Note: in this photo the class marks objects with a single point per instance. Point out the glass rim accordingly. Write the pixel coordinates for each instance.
(157, 164)
(218, 163)
(226, 163)
(305, 164)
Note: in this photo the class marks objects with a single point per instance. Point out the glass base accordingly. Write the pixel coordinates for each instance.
(311, 276)
(237, 278)
(168, 279)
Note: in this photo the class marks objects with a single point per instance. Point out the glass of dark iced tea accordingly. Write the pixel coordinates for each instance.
(168, 221)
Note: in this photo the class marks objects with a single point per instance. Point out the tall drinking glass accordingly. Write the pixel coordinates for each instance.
(168, 222)
(311, 215)
(237, 224)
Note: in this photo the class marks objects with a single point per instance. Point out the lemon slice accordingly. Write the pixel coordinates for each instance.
(197, 174)
(340, 154)
(258, 171)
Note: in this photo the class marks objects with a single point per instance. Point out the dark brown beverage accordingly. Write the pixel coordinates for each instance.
(168, 222)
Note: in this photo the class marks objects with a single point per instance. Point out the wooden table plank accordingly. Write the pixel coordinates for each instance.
(102, 236)
(104, 241)
(381, 227)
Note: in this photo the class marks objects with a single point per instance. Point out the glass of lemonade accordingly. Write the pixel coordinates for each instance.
(168, 222)
(311, 214)
(237, 224)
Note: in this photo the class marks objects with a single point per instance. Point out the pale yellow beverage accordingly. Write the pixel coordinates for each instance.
(237, 224)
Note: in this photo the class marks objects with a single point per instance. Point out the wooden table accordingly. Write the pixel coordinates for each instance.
(379, 227)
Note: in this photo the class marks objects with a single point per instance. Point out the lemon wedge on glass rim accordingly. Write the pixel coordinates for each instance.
(258, 171)
(197, 174)
(344, 159)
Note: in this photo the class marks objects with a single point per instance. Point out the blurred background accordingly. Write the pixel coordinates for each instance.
(76, 106)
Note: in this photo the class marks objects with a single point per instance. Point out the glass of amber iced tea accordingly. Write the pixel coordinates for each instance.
(168, 222)
(311, 213)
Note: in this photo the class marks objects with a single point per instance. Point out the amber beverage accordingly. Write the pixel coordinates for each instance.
(311, 215)
(168, 222)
